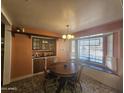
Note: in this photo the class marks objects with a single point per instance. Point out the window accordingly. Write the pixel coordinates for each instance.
(88, 49)
(95, 51)
(91, 49)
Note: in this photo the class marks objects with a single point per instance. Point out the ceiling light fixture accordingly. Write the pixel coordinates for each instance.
(67, 36)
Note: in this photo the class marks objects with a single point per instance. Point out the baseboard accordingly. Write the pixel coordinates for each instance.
(26, 76)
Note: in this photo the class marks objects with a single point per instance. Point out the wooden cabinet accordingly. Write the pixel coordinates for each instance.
(38, 65)
(43, 50)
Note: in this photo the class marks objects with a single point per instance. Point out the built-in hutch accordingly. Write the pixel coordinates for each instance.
(43, 52)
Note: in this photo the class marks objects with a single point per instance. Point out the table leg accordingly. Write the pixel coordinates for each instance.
(45, 63)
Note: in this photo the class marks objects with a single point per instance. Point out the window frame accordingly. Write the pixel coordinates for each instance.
(77, 50)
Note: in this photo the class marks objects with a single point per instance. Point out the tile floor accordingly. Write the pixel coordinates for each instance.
(34, 85)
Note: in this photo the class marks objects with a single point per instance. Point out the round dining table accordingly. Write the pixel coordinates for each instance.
(64, 70)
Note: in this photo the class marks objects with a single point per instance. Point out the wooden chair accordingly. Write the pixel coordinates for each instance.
(49, 82)
(74, 82)
(78, 79)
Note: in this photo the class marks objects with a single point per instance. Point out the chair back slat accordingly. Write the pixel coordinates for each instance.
(79, 74)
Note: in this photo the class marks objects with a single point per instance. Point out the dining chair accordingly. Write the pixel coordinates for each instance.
(49, 81)
(79, 78)
(74, 82)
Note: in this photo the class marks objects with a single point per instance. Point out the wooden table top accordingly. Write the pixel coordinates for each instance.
(64, 69)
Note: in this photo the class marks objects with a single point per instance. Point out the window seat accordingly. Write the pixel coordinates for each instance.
(98, 67)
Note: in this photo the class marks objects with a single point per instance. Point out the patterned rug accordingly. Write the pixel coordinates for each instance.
(34, 85)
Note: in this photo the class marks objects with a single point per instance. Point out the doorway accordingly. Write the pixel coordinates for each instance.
(2, 50)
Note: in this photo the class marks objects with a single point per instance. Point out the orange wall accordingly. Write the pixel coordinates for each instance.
(21, 56)
(118, 50)
(63, 50)
(21, 64)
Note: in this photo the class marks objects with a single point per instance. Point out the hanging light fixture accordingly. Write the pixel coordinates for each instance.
(67, 36)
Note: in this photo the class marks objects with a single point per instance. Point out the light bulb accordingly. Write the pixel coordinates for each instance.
(68, 36)
(64, 36)
(72, 36)
(23, 30)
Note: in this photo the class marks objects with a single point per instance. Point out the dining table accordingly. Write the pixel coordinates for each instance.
(64, 70)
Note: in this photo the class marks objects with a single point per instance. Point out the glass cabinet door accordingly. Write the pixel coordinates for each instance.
(47, 46)
(36, 43)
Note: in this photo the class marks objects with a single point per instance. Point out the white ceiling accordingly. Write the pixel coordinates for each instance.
(53, 15)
